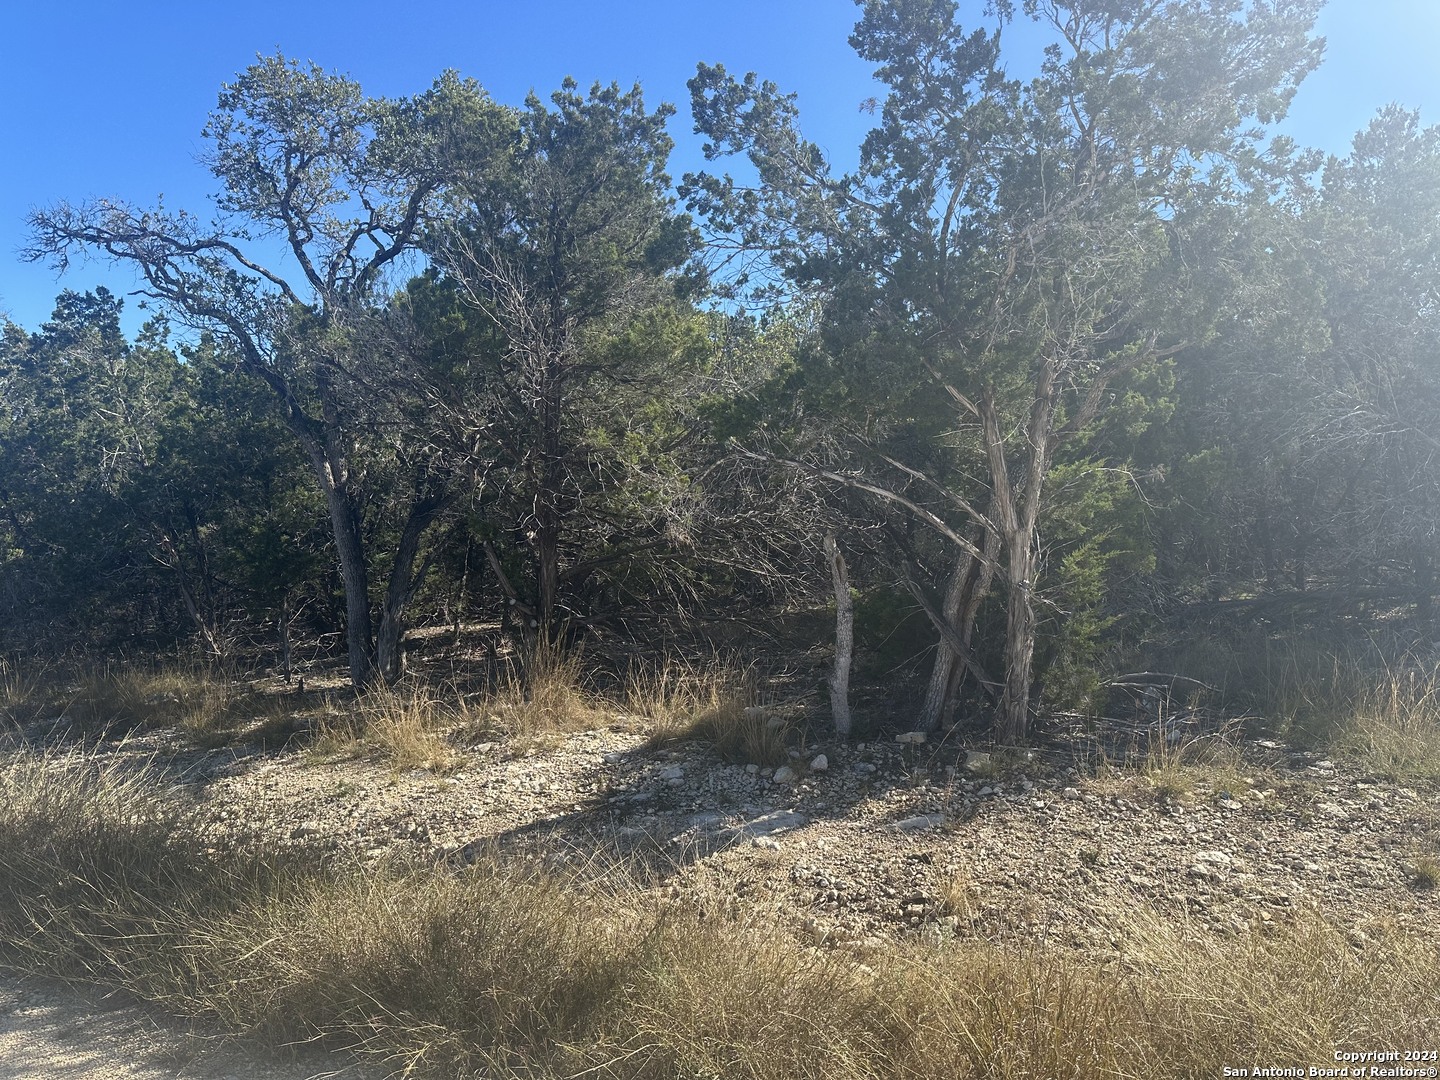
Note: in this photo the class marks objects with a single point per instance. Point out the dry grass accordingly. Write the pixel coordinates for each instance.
(1182, 772)
(24, 692)
(502, 969)
(530, 705)
(715, 703)
(957, 895)
(404, 728)
(669, 696)
(1395, 727)
(545, 695)
(124, 699)
(1425, 872)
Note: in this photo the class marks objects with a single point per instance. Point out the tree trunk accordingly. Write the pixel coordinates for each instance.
(969, 585)
(321, 444)
(403, 584)
(1016, 513)
(350, 553)
(283, 628)
(844, 639)
(1012, 724)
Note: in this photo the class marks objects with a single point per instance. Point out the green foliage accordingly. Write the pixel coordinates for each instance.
(143, 503)
(890, 631)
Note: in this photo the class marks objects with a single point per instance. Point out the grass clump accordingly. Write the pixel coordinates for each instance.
(1425, 872)
(502, 970)
(545, 695)
(24, 693)
(1394, 729)
(404, 728)
(716, 704)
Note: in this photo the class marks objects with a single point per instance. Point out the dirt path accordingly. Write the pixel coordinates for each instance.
(50, 1031)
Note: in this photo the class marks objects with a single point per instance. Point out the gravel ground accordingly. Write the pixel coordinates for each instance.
(854, 844)
(51, 1031)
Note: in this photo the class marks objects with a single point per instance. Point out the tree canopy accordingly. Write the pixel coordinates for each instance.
(1077, 346)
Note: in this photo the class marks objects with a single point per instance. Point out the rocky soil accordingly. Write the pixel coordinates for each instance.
(853, 844)
(859, 842)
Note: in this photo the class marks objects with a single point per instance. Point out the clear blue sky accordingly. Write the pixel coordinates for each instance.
(108, 98)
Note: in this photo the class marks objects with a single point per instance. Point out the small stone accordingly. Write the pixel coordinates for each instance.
(864, 768)
(910, 738)
(975, 760)
(752, 769)
(784, 775)
(779, 821)
(675, 772)
(1070, 793)
(920, 822)
(1217, 858)
(819, 763)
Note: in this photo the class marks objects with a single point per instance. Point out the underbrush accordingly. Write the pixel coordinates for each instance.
(405, 728)
(502, 968)
(1359, 697)
(716, 703)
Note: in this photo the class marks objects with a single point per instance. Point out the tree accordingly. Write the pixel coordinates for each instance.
(346, 183)
(137, 501)
(1315, 406)
(1019, 248)
(566, 252)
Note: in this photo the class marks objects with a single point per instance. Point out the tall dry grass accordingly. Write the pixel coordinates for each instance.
(405, 727)
(501, 969)
(1394, 728)
(716, 702)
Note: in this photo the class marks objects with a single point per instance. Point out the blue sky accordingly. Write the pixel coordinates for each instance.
(109, 98)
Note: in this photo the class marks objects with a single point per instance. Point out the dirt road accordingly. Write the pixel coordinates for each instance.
(50, 1031)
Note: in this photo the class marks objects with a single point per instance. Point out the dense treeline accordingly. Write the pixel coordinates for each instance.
(1061, 359)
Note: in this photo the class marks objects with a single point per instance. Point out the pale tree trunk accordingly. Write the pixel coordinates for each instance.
(1016, 513)
(969, 585)
(1012, 724)
(287, 666)
(844, 639)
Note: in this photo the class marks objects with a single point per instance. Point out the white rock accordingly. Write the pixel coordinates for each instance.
(819, 763)
(976, 760)
(1070, 793)
(1218, 858)
(784, 775)
(919, 822)
(910, 738)
(778, 821)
